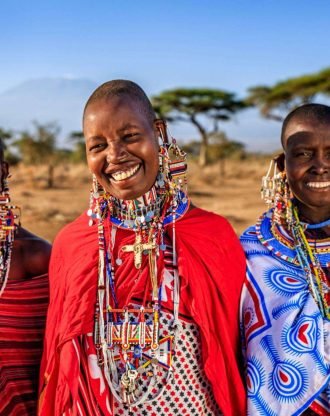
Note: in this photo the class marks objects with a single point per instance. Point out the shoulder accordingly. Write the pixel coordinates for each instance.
(33, 251)
(250, 234)
(207, 221)
(75, 230)
(209, 232)
(75, 238)
(250, 238)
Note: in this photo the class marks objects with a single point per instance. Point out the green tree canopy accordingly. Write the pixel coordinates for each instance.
(277, 100)
(39, 147)
(4, 135)
(79, 147)
(204, 108)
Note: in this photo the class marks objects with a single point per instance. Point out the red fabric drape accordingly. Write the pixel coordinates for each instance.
(212, 270)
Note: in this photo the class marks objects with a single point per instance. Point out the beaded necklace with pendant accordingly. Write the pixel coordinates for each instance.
(127, 340)
(293, 241)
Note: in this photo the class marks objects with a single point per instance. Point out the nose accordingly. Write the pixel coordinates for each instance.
(321, 164)
(116, 153)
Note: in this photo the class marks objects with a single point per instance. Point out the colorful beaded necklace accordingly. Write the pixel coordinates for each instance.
(127, 340)
(290, 243)
(7, 232)
(316, 278)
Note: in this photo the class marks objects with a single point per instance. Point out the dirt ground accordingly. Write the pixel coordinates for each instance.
(45, 211)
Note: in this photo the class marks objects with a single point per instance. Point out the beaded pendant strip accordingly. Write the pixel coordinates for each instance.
(127, 339)
(316, 278)
(7, 231)
(292, 245)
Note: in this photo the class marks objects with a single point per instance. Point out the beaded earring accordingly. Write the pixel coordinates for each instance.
(275, 191)
(94, 200)
(172, 162)
(7, 232)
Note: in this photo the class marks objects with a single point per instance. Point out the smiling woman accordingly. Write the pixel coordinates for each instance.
(143, 316)
(307, 155)
(122, 154)
(286, 298)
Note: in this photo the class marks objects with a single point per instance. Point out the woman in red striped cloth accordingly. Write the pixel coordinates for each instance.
(23, 304)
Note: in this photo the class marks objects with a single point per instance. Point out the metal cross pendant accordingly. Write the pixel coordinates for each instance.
(138, 248)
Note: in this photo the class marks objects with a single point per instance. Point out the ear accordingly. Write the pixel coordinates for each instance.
(160, 129)
(4, 173)
(280, 162)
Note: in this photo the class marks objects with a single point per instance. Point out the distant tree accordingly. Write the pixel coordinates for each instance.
(5, 134)
(277, 100)
(223, 148)
(204, 108)
(39, 147)
(79, 147)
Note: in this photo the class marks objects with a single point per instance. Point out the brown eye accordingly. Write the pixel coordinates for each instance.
(96, 147)
(304, 154)
(131, 137)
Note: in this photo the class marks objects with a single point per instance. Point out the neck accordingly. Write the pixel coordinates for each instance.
(149, 203)
(313, 216)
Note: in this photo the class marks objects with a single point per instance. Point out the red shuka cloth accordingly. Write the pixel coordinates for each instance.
(23, 307)
(212, 270)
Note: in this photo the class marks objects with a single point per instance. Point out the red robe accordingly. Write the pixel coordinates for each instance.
(23, 307)
(212, 270)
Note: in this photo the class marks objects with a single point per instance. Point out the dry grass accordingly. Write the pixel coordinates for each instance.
(46, 211)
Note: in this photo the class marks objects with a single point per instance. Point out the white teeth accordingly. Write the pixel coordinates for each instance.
(318, 184)
(120, 176)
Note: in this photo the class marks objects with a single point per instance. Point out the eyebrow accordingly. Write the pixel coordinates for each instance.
(93, 138)
(298, 135)
(127, 126)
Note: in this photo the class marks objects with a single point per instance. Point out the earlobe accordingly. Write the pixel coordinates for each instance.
(280, 162)
(160, 128)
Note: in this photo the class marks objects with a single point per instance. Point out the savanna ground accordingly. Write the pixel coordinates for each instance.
(45, 211)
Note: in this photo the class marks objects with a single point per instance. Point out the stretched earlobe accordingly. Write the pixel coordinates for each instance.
(161, 129)
(280, 162)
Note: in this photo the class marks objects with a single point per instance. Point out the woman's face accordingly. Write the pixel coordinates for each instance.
(307, 160)
(122, 146)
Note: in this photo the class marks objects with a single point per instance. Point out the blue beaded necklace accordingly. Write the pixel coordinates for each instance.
(316, 226)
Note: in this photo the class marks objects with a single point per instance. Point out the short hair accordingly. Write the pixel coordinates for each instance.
(318, 112)
(119, 88)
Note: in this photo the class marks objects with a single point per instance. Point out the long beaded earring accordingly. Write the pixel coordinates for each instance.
(172, 162)
(7, 232)
(94, 200)
(275, 191)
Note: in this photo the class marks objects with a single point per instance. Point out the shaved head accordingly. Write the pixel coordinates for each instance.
(123, 88)
(316, 112)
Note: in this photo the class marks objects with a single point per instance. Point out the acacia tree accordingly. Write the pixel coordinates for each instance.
(204, 108)
(277, 100)
(39, 147)
(79, 147)
(4, 135)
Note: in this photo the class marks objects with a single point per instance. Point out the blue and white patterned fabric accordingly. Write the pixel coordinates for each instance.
(286, 340)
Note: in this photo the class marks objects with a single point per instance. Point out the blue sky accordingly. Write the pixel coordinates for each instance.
(229, 45)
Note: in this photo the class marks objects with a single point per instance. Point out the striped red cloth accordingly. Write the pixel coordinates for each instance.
(23, 307)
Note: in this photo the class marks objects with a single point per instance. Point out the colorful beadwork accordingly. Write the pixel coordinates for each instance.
(7, 231)
(291, 244)
(127, 339)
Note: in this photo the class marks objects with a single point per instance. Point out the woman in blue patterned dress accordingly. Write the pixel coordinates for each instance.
(286, 298)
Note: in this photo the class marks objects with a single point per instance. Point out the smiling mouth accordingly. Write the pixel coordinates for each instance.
(125, 174)
(318, 185)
